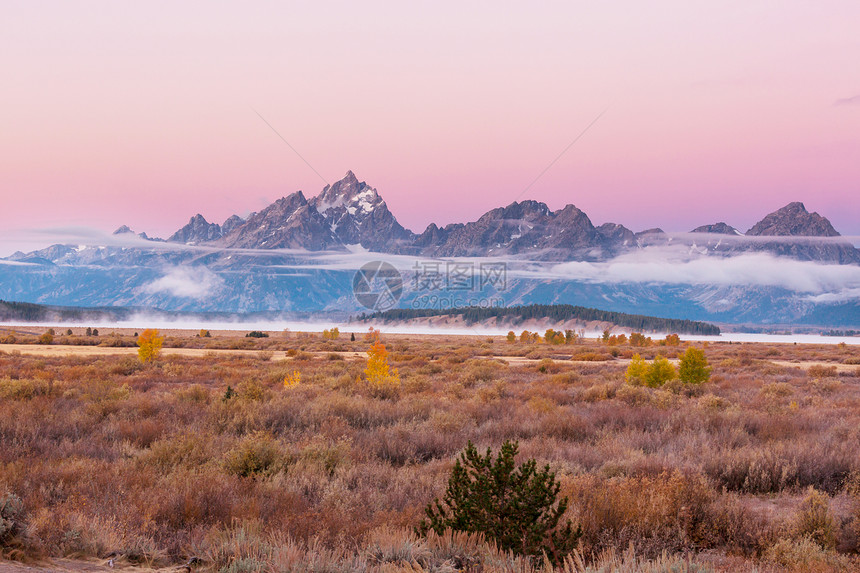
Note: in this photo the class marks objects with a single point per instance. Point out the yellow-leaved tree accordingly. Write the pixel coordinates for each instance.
(636, 371)
(293, 380)
(383, 381)
(694, 367)
(149, 345)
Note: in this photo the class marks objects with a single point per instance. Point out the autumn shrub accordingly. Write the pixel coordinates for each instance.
(256, 454)
(194, 393)
(674, 514)
(592, 357)
(641, 373)
(826, 385)
(184, 450)
(480, 371)
(24, 389)
(598, 392)
(821, 371)
(634, 396)
(547, 366)
(12, 518)
(566, 378)
(776, 390)
(410, 444)
(712, 402)
(416, 383)
(804, 554)
(252, 390)
(326, 456)
(126, 366)
(782, 466)
(814, 520)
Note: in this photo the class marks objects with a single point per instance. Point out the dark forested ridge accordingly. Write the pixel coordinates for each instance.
(22, 311)
(31, 312)
(554, 312)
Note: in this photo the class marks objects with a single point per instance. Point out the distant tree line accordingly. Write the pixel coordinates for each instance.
(10, 310)
(22, 311)
(554, 312)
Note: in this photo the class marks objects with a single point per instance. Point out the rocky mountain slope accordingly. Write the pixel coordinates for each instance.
(527, 227)
(791, 231)
(289, 223)
(718, 229)
(793, 220)
(350, 212)
(357, 215)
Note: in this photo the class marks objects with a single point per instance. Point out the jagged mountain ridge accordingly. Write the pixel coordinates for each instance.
(291, 222)
(717, 229)
(793, 221)
(350, 212)
(358, 215)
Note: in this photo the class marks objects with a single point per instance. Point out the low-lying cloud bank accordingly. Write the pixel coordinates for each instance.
(186, 282)
(754, 269)
(678, 263)
(658, 265)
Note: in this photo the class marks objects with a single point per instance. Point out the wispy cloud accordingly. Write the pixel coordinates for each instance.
(853, 100)
(16, 263)
(87, 236)
(842, 295)
(663, 266)
(711, 238)
(186, 282)
(671, 265)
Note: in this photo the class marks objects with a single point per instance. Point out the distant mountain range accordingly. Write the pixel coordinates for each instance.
(252, 264)
(350, 212)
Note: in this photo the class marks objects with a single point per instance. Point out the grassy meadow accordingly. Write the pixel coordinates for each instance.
(288, 459)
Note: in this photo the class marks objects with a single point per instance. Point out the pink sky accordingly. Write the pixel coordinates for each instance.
(143, 113)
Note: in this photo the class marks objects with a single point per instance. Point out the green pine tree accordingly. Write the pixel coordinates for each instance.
(517, 507)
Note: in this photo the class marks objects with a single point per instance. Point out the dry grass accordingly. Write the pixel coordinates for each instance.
(156, 464)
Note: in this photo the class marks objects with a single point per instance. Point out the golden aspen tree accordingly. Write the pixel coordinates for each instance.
(149, 345)
(381, 379)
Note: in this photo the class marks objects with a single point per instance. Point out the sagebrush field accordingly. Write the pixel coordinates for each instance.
(290, 459)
